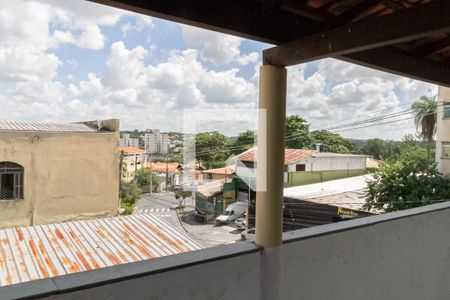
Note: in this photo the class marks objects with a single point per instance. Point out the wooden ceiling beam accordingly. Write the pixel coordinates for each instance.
(245, 19)
(433, 47)
(355, 11)
(364, 35)
(397, 62)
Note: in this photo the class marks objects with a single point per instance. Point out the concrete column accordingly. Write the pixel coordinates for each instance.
(442, 131)
(270, 156)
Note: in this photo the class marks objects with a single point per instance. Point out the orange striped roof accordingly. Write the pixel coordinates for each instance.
(42, 251)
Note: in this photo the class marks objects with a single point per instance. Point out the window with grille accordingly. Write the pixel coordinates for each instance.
(11, 181)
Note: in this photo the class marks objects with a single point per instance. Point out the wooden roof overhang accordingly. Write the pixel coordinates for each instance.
(405, 37)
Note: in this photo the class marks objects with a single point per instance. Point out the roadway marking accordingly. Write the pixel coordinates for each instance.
(153, 210)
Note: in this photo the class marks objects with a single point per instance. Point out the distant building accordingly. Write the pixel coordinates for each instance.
(173, 171)
(126, 141)
(443, 131)
(52, 172)
(156, 142)
(133, 159)
(304, 166)
(219, 173)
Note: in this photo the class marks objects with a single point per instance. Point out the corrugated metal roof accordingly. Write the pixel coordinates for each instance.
(41, 126)
(290, 155)
(35, 252)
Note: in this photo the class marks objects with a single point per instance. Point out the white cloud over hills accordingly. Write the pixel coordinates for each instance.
(144, 92)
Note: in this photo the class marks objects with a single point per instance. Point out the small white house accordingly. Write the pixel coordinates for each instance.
(313, 161)
(327, 161)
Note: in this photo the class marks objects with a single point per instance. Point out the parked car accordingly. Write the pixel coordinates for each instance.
(241, 223)
(233, 211)
(248, 235)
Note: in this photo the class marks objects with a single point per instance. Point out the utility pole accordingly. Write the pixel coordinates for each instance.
(151, 173)
(120, 176)
(167, 172)
(135, 165)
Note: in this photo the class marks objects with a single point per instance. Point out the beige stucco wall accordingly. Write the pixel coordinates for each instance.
(66, 176)
(442, 131)
(129, 169)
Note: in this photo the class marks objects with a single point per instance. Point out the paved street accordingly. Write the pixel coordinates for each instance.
(164, 205)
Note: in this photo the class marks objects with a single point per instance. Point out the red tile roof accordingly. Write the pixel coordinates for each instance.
(131, 150)
(162, 166)
(290, 155)
(223, 171)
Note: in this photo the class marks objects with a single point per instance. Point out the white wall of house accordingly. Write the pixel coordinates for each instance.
(443, 132)
(351, 162)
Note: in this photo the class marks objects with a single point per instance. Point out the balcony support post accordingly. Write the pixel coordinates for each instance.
(270, 156)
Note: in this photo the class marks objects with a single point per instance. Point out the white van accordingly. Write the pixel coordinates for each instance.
(233, 211)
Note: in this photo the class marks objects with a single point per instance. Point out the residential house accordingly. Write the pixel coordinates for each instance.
(304, 166)
(133, 159)
(219, 173)
(168, 172)
(52, 172)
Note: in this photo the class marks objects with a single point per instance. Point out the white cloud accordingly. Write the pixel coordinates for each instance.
(141, 23)
(217, 48)
(339, 93)
(124, 66)
(24, 63)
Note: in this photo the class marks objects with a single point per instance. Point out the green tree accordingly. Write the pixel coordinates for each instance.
(374, 147)
(297, 133)
(243, 142)
(425, 111)
(333, 142)
(181, 196)
(211, 148)
(144, 176)
(406, 183)
(129, 193)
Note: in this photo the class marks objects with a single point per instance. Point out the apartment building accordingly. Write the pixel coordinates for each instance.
(156, 142)
(442, 131)
(126, 141)
(133, 159)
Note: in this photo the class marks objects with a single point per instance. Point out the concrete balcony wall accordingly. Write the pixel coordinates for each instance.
(393, 256)
(402, 255)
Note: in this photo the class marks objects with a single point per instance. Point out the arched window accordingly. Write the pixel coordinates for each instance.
(11, 181)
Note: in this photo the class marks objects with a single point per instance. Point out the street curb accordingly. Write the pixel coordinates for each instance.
(181, 222)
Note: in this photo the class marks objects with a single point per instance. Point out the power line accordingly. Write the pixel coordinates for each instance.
(339, 128)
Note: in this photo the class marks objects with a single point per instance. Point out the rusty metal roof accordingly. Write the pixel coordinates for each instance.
(36, 252)
(41, 126)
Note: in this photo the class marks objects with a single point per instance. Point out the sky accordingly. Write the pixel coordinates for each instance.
(66, 61)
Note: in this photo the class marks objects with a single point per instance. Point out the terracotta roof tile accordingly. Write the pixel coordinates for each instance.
(161, 166)
(290, 155)
(131, 150)
(224, 171)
